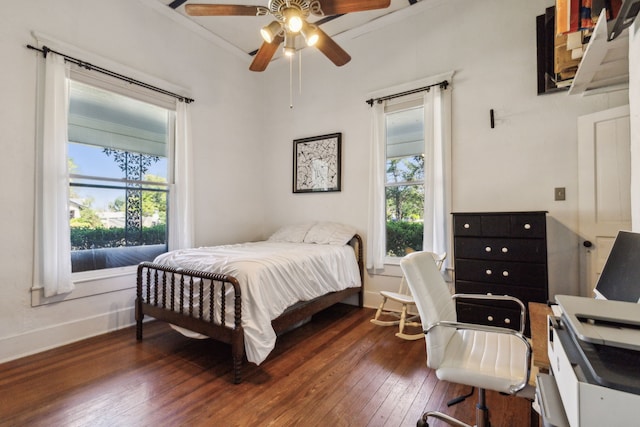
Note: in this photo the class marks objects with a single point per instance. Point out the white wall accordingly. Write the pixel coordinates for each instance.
(491, 46)
(225, 128)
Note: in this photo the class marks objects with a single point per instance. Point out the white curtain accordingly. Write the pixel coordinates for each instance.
(53, 216)
(376, 225)
(436, 119)
(181, 197)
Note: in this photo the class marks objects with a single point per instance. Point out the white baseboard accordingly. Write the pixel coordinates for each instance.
(36, 341)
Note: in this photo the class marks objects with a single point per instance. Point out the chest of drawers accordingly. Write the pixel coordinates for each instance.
(499, 253)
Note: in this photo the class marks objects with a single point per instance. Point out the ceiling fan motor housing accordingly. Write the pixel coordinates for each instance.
(277, 8)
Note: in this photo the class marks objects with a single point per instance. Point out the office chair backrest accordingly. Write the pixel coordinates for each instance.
(433, 300)
(439, 259)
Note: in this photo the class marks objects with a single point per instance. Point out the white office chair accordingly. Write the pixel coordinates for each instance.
(485, 357)
(404, 297)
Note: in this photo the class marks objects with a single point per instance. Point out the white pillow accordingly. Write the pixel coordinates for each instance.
(291, 233)
(330, 233)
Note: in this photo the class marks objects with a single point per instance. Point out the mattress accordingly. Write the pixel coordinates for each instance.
(272, 277)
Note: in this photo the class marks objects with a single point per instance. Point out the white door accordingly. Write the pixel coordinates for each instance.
(604, 195)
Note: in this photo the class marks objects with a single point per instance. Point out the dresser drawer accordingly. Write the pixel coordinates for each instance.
(501, 272)
(523, 293)
(528, 225)
(485, 315)
(526, 250)
(481, 225)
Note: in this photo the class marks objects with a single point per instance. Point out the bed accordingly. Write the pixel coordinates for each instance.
(246, 294)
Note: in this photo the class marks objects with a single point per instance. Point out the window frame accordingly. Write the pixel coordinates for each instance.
(394, 106)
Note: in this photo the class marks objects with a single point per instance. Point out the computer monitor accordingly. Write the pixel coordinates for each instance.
(620, 277)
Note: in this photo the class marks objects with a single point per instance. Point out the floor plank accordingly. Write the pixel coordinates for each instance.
(338, 369)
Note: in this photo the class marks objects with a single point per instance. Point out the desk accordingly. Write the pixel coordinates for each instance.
(539, 330)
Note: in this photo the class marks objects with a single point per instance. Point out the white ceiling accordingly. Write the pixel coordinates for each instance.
(243, 32)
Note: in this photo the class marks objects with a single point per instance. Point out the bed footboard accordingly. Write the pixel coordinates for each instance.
(194, 300)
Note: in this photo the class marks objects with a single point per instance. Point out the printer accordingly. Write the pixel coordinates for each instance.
(594, 349)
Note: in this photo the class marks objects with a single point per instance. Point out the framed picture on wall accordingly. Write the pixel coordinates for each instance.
(317, 163)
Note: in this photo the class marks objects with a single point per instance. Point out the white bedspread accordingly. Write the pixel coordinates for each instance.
(272, 277)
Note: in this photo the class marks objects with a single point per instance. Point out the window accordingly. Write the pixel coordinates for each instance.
(405, 178)
(409, 170)
(118, 159)
(106, 141)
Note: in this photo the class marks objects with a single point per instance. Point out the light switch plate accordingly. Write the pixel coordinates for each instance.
(559, 193)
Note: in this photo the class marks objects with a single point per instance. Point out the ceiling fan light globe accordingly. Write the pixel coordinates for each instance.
(293, 19)
(269, 32)
(310, 34)
(295, 24)
(312, 40)
(266, 36)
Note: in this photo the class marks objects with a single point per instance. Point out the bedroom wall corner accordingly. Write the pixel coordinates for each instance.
(634, 109)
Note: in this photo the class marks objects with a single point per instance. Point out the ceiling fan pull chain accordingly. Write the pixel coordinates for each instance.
(291, 82)
(300, 72)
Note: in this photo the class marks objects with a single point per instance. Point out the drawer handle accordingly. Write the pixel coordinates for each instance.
(505, 250)
(467, 226)
(527, 226)
(505, 273)
(488, 272)
(507, 321)
(490, 318)
(487, 249)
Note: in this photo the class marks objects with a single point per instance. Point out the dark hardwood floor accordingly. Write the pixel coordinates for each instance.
(338, 370)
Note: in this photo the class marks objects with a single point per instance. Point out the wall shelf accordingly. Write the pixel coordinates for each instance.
(605, 64)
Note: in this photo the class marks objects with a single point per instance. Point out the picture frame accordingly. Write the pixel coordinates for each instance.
(317, 163)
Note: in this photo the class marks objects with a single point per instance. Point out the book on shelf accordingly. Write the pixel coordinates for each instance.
(577, 15)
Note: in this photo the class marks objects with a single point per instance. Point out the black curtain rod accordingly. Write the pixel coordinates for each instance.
(443, 85)
(45, 50)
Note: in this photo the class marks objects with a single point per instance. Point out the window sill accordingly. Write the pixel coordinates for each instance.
(391, 268)
(90, 283)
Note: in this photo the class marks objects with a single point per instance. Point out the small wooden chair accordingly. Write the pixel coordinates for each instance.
(404, 297)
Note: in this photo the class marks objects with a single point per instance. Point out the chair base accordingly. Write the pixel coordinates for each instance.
(422, 422)
(482, 415)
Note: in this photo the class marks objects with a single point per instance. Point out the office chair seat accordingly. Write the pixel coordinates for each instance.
(484, 360)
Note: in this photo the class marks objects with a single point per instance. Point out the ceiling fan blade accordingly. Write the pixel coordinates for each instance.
(220, 10)
(331, 49)
(337, 7)
(265, 53)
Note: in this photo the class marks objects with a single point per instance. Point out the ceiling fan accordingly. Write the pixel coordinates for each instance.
(290, 22)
